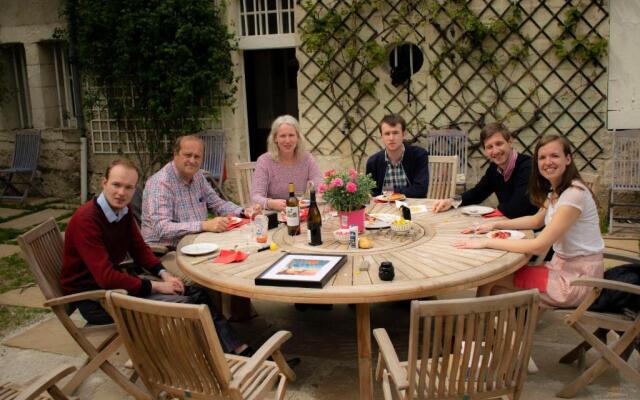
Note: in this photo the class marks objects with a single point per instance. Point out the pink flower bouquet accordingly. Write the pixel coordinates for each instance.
(346, 190)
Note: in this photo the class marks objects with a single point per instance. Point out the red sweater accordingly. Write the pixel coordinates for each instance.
(92, 246)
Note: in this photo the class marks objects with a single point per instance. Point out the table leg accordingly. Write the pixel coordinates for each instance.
(363, 322)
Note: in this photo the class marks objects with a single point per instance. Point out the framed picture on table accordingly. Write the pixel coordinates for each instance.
(302, 270)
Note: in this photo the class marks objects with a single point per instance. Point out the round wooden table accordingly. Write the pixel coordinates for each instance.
(425, 262)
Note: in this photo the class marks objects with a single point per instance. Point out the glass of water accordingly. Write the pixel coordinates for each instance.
(456, 201)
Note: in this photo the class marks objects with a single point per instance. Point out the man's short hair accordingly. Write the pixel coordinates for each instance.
(393, 120)
(178, 143)
(125, 162)
(493, 128)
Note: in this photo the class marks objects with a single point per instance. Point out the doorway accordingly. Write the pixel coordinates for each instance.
(271, 91)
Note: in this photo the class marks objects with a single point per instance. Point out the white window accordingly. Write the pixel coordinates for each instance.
(266, 24)
(67, 103)
(16, 105)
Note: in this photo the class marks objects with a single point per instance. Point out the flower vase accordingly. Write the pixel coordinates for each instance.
(348, 218)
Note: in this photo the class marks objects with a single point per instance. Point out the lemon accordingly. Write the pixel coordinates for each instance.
(273, 246)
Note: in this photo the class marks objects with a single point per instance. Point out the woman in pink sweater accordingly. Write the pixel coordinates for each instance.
(285, 161)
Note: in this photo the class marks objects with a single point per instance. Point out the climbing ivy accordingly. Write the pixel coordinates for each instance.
(161, 65)
(572, 46)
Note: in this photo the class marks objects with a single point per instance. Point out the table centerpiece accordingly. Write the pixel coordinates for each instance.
(348, 192)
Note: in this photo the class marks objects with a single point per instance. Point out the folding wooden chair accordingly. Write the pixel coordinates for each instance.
(213, 161)
(478, 347)
(592, 181)
(35, 390)
(24, 167)
(245, 181)
(43, 247)
(442, 177)
(176, 351)
(594, 326)
(450, 142)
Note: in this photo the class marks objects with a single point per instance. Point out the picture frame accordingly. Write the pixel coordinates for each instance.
(302, 270)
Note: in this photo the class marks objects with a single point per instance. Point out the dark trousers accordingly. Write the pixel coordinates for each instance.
(93, 312)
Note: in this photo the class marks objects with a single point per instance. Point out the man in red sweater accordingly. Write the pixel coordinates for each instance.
(100, 235)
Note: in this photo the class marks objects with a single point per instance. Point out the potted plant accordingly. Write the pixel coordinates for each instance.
(348, 192)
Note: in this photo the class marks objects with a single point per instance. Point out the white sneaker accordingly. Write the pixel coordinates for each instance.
(532, 368)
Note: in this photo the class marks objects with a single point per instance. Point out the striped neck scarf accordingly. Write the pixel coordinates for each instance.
(506, 173)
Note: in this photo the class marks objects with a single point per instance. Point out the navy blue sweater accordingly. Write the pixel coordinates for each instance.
(415, 162)
(513, 195)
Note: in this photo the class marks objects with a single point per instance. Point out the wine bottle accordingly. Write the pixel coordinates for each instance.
(314, 221)
(293, 212)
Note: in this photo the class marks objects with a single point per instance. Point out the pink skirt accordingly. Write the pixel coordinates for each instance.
(554, 279)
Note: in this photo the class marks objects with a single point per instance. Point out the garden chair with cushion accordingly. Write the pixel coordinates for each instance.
(35, 391)
(213, 160)
(478, 347)
(42, 247)
(176, 351)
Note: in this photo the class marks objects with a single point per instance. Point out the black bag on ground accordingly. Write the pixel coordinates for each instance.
(614, 300)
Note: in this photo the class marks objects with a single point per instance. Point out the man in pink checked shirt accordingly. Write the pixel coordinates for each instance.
(177, 198)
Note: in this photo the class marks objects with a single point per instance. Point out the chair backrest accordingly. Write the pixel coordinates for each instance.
(442, 176)
(26, 151)
(213, 161)
(592, 181)
(449, 142)
(43, 247)
(174, 347)
(626, 160)
(245, 181)
(477, 346)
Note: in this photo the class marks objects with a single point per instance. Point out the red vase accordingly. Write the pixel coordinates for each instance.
(348, 218)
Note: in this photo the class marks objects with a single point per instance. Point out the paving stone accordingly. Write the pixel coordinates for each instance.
(27, 297)
(32, 219)
(9, 250)
(66, 206)
(632, 245)
(9, 212)
(36, 201)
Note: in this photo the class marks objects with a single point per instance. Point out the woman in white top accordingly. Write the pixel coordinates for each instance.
(569, 215)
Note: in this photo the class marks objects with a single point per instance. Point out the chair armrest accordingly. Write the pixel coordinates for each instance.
(71, 298)
(45, 382)
(606, 284)
(620, 257)
(391, 361)
(270, 347)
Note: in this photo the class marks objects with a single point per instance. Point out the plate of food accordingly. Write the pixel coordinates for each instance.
(378, 221)
(391, 197)
(476, 210)
(198, 249)
(505, 234)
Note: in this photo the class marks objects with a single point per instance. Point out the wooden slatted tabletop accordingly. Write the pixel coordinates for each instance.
(425, 262)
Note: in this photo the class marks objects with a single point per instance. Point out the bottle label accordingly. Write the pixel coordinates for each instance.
(261, 224)
(353, 237)
(293, 216)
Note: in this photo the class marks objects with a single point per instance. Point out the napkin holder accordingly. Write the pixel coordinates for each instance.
(272, 217)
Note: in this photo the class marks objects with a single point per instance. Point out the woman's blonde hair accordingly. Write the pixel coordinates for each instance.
(272, 147)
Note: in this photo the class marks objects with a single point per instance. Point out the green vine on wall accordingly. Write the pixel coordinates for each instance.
(572, 46)
(161, 65)
(334, 38)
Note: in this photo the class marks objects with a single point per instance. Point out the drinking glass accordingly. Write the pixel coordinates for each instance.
(456, 201)
(475, 225)
(387, 190)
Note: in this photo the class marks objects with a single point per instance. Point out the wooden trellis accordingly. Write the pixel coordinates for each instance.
(535, 95)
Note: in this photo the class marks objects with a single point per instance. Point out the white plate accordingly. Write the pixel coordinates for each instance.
(512, 234)
(418, 209)
(198, 249)
(382, 197)
(377, 224)
(384, 217)
(476, 210)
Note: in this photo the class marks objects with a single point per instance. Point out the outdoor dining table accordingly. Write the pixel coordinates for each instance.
(425, 261)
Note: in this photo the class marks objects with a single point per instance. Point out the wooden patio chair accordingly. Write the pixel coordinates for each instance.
(625, 176)
(450, 142)
(42, 247)
(176, 351)
(478, 347)
(592, 181)
(594, 327)
(245, 181)
(442, 177)
(213, 161)
(35, 391)
(19, 178)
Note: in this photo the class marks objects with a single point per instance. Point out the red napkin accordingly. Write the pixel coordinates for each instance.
(494, 213)
(242, 221)
(229, 256)
(532, 277)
